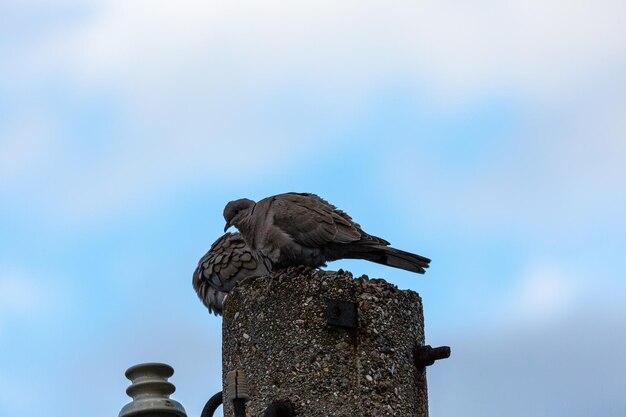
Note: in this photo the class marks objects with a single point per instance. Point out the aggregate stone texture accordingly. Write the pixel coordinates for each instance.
(275, 330)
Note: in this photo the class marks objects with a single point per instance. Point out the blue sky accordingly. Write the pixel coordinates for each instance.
(488, 136)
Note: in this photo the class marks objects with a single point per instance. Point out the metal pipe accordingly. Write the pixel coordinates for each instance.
(424, 356)
(279, 409)
(214, 402)
(239, 405)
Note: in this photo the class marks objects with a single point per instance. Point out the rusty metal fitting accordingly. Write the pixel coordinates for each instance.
(427, 355)
(237, 386)
(342, 314)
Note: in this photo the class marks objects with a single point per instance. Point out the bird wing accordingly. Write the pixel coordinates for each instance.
(312, 221)
(228, 258)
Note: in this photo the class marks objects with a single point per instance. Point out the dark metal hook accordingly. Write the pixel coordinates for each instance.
(214, 402)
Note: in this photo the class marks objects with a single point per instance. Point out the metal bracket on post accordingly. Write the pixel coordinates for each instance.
(342, 314)
(424, 356)
(237, 390)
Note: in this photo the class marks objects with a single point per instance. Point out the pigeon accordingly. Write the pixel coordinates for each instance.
(302, 229)
(228, 261)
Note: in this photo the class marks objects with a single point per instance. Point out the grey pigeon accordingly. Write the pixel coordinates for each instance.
(228, 261)
(295, 229)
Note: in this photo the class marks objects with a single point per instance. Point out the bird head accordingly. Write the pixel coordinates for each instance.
(236, 210)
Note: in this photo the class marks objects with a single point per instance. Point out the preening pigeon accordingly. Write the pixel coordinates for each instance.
(227, 262)
(294, 229)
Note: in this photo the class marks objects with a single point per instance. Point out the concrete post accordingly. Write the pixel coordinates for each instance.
(151, 391)
(294, 337)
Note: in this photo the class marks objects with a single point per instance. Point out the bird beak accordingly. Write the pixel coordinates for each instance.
(227, 226)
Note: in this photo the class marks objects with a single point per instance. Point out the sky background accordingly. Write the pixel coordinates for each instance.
(489, 136)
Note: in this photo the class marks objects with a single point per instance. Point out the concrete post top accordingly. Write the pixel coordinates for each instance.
(326, 342)
(340, 284)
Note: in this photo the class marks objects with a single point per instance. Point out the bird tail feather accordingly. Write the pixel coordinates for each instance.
(389, 256)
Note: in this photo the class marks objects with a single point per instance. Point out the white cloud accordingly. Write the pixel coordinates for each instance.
(199, 84)
(539, 47)
(559, 175)
(545, 292)
(566, 368)
(25, 299)
(14, 398)
(19, 295)
(28, 144)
